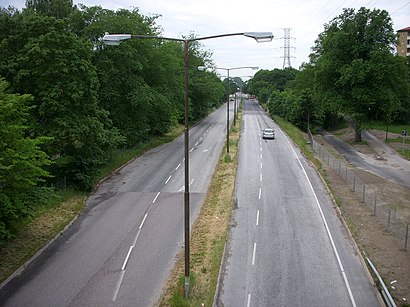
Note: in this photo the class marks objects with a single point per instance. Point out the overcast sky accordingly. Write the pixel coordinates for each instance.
(213, 17)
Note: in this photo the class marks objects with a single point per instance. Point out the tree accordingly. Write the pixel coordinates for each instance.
(55, 8)
(356, 72)
(22, 162)
(55, 66)
(271, 80)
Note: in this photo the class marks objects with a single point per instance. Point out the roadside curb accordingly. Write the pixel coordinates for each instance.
(356, 247)
(21, 269)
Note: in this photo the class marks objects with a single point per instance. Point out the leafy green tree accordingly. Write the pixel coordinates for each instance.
(55, 8)
(356, 71)
(22, 162)
(276, 79)
(55, 66)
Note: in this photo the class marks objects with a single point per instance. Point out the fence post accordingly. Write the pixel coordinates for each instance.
(328, 159)
(407, 235)
(388, 222)
(340, 166)
(346, 175)
(364, 192)
(375, 204)
(354, 183)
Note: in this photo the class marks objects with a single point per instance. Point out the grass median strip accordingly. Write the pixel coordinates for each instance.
(208, 235)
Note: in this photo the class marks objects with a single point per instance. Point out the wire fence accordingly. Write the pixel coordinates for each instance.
(379, 207)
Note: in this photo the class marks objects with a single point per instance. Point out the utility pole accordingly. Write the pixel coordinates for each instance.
(286, 48)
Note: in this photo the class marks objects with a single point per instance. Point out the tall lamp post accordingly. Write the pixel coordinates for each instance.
(229, 91)
(116, 39)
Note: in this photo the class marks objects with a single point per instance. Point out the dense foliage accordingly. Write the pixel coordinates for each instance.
(68, 101)
(353, 74)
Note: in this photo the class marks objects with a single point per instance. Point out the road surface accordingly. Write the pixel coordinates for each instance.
(120, 251)
(392, 167)
(287, 246)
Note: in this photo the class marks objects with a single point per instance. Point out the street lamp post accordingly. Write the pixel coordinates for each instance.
(229, 91)
(116, 39)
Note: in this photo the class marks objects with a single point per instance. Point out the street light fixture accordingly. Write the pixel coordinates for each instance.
(229, 91)
(116, 39)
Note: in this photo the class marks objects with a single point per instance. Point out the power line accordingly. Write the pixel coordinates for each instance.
(286, 48)
(400, 8)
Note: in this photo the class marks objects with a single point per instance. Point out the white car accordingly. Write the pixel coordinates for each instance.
(268, 133)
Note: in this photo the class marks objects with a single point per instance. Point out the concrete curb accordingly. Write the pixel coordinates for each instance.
(21, 269)
(340, 216)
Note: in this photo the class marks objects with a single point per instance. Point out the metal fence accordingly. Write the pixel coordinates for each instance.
(379, 207)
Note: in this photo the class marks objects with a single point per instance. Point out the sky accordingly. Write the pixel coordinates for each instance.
(305, 19)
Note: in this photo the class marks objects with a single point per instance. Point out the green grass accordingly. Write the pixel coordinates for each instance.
(405, 153)
(208, 235)
(393, 128)
(58, 210)
(295, 134)
(35, 231)
(399, 139)
(122, 156)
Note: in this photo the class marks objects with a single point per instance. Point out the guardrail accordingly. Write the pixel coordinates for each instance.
(381, 208)
(384, 291)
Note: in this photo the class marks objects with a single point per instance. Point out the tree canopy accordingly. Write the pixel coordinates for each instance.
(76, 100)
(356, 70)
(352, 74)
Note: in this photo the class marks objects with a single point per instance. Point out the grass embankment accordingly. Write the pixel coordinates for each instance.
(45, 223)
(48, 220)
(208, 235)
(298, 138)
(396, 139)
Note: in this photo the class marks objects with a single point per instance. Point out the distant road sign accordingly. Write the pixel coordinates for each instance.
(404, 133)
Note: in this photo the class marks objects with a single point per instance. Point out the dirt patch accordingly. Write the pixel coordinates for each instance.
(384, 250)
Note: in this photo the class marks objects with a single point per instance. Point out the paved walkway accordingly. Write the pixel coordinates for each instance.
(386, 163)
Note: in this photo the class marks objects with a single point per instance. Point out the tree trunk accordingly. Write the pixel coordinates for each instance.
(358, 134)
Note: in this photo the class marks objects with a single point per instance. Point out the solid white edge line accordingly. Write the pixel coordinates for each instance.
(117, 288)
(327, 229)
(169, 178)
(143, 220)
(126, 258)
(257, 218)
(155, 199)
(249, 300)
(254, 253)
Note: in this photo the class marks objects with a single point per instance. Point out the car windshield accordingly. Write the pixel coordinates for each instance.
(268, 130)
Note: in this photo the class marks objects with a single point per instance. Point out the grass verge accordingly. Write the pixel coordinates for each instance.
(208, 236)
(47, 221)
(300, 139)
(33, 235)
(393, 128)
(123, 156)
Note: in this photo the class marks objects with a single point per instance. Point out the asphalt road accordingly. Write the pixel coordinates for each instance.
(120, 251)
(287, 246)
(398, 171)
